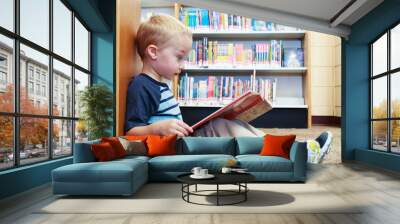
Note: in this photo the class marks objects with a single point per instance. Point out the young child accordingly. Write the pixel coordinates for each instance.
(163, 43)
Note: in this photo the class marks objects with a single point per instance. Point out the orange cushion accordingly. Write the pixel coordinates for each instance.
(116, 145)
(103, 151)
(277, 145)
(161, 145)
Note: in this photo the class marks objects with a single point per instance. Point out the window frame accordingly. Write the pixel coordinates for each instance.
(16, 115)
(388, 74)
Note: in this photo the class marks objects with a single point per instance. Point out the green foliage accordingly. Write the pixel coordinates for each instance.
(97, 103)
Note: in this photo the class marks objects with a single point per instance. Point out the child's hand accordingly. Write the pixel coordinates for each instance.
(171, 127)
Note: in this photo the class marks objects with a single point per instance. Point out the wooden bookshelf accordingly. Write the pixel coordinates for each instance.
(293, 80)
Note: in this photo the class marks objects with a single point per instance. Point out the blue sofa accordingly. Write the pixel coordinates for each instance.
(125, 176)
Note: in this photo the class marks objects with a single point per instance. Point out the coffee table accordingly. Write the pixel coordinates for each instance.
(238, 179)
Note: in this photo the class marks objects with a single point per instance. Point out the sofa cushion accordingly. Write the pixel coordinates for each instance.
(206, 145)
(116, 144)
(277, 145)
(134, 147)
(257, 163)
(159, 145)
(103, 152)
(249, 145)
(185, 163)
(83, 152)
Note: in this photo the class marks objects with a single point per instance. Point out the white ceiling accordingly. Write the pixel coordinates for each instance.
(314, 15)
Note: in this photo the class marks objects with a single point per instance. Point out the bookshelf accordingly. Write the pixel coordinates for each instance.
(291, 94)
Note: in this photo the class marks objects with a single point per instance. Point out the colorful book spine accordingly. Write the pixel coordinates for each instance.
(203, 19)
(222, 89)
(241, 53)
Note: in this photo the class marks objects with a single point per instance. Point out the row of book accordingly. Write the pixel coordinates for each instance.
(223, 88)
(244, 53)
(203, 19)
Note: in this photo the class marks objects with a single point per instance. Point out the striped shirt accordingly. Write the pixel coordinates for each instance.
(149, 101)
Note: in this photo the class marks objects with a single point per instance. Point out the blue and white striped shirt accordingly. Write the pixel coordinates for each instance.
(149, 101)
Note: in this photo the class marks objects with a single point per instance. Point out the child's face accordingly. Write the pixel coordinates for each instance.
(171, 57)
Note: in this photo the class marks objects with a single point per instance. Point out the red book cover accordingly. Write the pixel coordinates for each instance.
(247, 107)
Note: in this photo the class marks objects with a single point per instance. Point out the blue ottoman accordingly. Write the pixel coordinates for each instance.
(118, 177)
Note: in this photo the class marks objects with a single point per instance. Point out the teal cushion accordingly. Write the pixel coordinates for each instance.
(83, 152)
(207, 145)
(257, 163)
(249, 145)
(185, 163)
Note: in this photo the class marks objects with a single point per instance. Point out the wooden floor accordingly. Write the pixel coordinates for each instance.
(377, 188)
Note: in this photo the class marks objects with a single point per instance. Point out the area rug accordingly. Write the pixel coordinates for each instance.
(167, 198)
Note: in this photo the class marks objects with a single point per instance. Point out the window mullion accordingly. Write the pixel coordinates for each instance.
(73, 83)
(50, 87)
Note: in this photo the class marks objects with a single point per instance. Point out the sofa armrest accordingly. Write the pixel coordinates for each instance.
(298, 155)
(83, 152)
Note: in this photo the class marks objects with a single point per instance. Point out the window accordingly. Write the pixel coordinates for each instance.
(385, 95)
(43, 90)
(37, 74)
(30, 87)
(30, 72)
(7, 14)
(3, 78)
(55, 128)
(38, 89)
(3, 61)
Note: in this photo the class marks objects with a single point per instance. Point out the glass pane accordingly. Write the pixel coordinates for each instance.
(379, 135)
(35, 21)
(62, 138)
(62, 89)
(379, 97)
(33, 139)
(81, 131)
(395, 94)
(395, 47)
(395, 136)
(34, 97)
(379, 55)
(81, 81)
(62, 29)
(6, 142)
(7, 14)
(81, 45)
(6, 74)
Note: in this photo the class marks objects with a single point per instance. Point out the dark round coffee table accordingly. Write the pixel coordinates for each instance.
(238, 179)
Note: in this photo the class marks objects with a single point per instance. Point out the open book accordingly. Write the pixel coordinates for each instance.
(246, 108)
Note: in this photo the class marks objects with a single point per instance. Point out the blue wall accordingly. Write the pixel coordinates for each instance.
(100, 17)
(103, 63)
(355, 86)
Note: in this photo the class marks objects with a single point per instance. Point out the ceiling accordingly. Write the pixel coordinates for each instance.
(326, 16)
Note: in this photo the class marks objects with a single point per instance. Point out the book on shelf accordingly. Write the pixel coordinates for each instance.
(293, 57)
(235, 53)
(206, 20)
(246, 108)
(221, 90)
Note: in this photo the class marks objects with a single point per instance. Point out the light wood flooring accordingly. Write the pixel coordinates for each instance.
(377, 188)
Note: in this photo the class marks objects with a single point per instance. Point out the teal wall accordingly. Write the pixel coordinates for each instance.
(24, 178)
(355, 86)
(103, 63)
(99, 15)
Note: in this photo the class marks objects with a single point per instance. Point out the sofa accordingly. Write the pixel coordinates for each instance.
(126, 175)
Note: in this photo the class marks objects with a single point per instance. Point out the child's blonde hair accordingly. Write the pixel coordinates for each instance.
(158, 30)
